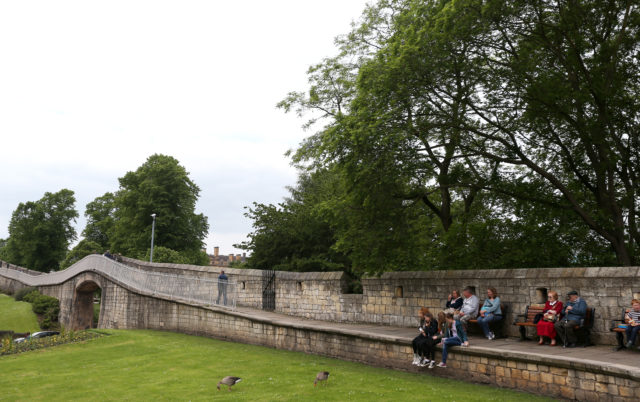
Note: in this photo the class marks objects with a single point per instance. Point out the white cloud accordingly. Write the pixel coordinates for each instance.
(89, 90)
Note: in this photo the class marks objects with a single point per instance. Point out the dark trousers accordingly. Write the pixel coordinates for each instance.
(418, 344)
(632, 333)
(565, 330)
(427, 349)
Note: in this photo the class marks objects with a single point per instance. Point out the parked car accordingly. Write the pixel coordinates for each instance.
(36, 335)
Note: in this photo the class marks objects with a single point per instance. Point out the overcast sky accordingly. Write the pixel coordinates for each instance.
(89, 90)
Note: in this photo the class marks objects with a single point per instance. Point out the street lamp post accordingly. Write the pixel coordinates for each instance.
(153, 232)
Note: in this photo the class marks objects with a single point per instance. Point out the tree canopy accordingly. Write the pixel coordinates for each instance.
(40, 231)
(160, 186)
(481, 133)
(100, 214)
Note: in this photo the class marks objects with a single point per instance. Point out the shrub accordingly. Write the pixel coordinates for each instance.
(46, 307)
(20, 294)
(31, 296)
(43, 304)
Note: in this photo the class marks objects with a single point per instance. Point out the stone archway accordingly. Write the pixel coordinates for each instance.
(82, 317)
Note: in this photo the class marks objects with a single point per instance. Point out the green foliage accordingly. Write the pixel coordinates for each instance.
(40, 231)
(161, 186)
(84, 248)
(47, 308)
(294, 236)
(164, 254)
(20, 294)
(474, 134)
(134, 365)
(100, 220)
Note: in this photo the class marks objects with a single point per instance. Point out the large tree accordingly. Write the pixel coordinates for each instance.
(160, 186)
(296, 235)
(529, 106)
(40, 231)
(100, 214)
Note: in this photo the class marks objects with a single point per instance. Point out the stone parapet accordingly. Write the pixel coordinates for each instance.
(394, 298)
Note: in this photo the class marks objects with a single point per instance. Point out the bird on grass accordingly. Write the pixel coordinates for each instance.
(322, 376)
(229, 381)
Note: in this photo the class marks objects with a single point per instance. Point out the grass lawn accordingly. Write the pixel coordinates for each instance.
(151, 365)
(17, 316)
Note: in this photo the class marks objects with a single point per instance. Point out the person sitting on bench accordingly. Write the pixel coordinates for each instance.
(469, 309)
(573, 313)
(490, 312)
(550, 315)
(632, 319)
(454, 301)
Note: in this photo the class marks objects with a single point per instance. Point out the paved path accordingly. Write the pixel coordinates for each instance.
(604, 357)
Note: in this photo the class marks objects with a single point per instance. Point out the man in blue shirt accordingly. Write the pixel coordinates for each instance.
(573, 313)
(222, 287)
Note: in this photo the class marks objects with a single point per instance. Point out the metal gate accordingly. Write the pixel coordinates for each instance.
(269, 290)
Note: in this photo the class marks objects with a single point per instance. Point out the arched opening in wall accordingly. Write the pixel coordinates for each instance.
(86, 306)
(541, 295)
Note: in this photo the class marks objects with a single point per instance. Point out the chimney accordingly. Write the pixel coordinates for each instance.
(216, 251)
(231, 258)
(244, 255)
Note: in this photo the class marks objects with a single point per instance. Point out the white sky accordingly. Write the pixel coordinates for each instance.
(88, 90)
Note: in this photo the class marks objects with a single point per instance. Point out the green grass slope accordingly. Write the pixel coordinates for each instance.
(149, 365)
(17, 316)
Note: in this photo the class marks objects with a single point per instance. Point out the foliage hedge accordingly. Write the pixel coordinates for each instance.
(20, 294)
(47, 307)
(10, 347)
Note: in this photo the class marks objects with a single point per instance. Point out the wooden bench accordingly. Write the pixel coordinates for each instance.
(620, 331)
(496, 326)
(586, 325)
(522, 321)
(583, 330)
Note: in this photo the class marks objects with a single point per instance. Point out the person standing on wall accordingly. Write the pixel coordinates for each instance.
(222, 287)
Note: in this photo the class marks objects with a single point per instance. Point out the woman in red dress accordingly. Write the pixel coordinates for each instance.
(551, 313)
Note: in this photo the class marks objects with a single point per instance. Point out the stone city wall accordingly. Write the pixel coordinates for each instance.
(395, 297)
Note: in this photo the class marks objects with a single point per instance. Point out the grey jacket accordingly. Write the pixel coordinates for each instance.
(470, 306)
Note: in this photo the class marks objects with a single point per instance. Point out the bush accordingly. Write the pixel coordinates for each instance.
(31, 296)
(44, 304)
(20, 294)
(46, 307)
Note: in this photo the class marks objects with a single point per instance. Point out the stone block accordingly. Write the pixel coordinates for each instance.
(560, 380)
(567, 392)
(558, 371)
(625, 391)
(546, 378)
(601, 387)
